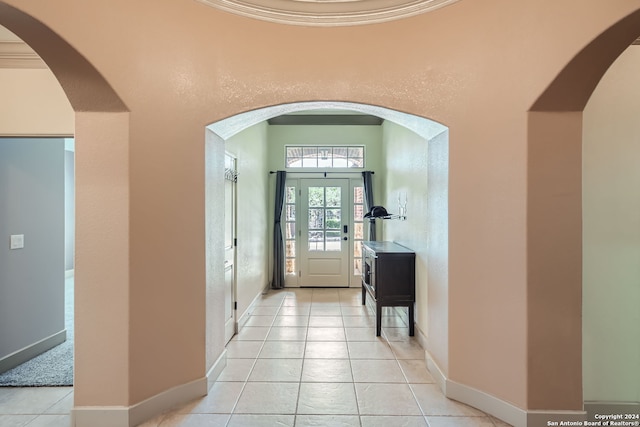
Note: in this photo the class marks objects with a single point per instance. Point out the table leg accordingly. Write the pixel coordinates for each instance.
(411, 325)
(378, 318)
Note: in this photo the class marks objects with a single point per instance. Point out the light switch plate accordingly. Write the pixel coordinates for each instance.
(17, 241)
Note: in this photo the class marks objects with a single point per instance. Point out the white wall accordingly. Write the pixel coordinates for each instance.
(405, 156)
(611, 235)
(253, 227)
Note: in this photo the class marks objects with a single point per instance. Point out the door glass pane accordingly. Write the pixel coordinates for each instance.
(333, 241)
(316, 196)
(358, 230)
(358, 212)
(358, 195)
(357, 249)
(325, 218)
(290, 230)
(316, 219)
(290, 221)
(291, 195)
(291, 266)
(333, 219)
(291, 213)
(291, 248)
(358, 227)
(316, 240)
(333, 196)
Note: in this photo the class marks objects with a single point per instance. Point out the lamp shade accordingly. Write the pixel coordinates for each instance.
(376, 212)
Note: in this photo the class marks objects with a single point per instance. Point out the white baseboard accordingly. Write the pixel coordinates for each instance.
(69, 273)
(131, 416)
(487, 403)
(495, 406)
(168, 399)
(29, 352)
(242, 320)
(99, 416)
(420, 336)
(216, 369)
(435, 371)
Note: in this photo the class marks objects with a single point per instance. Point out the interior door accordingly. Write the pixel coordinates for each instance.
(229, 246)
(324, 232)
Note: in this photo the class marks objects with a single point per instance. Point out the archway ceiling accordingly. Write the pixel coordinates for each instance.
(230, 126)
(327, 13)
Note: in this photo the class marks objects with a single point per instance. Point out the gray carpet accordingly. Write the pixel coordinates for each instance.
(53, 367)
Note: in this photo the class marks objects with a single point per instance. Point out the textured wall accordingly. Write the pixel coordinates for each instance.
(477, 67)
(33, 104)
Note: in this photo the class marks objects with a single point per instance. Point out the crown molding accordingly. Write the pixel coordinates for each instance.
(17, 54)
(327, 13)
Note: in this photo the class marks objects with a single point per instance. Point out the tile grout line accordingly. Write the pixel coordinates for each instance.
(253, 365)
(304, 352)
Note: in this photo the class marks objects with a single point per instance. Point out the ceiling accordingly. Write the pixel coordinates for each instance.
(326, 117)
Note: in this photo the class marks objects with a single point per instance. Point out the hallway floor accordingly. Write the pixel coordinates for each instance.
(306, 357)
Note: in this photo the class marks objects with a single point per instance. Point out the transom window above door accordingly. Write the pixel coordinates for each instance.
(329, 157)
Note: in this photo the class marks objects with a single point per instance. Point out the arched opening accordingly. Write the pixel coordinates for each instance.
(37, 205)
(555, 230)
(610, 241)
(412, 159)
(101, 130)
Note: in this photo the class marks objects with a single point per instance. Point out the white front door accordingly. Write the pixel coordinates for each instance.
(324, 232)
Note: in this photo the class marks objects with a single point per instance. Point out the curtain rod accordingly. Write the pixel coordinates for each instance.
(325, 173)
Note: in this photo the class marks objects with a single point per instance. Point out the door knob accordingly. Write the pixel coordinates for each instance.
(345, 238)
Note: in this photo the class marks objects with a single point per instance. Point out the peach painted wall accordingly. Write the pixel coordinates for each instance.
(33, 104)
(611, 266)
(474, 66)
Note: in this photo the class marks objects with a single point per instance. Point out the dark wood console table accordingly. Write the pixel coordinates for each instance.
(389, 276)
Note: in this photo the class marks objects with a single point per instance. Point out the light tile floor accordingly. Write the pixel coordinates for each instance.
(306, 357)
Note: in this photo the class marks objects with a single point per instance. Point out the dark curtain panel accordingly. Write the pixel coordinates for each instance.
(278, 244)
(368, 201)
